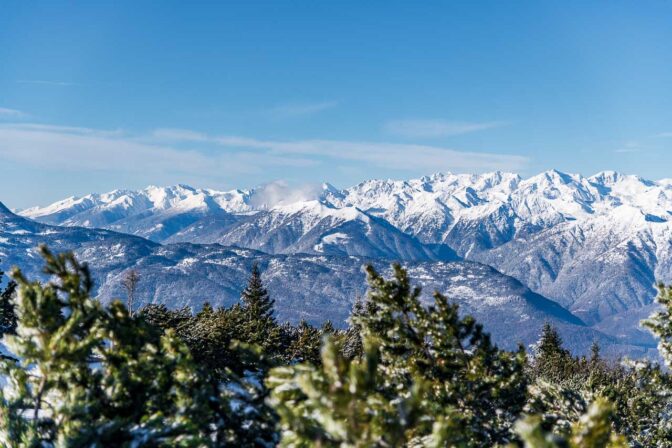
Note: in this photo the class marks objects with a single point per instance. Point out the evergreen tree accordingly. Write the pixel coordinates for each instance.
(327, 329)
(405, 373)
(550, 343)
(427, 377)
(257, 321)
(563, 387)
(464, 370)
(306, 344)
(216, 340)
(660, 323)
(256, 300)
(551, 360)
(352, 344)
(595, 357)
(349, 403)
(8, 320)
(592, 430)
(160, 316)
(96, 376)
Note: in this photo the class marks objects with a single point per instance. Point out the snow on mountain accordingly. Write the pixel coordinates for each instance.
(595, 244)
(20, 238)
(155, 212)
(312, 227)
(599, 267)
(311, 287)
(544, 200)
(426, 207)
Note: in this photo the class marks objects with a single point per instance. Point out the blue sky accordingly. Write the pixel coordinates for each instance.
(102, 95)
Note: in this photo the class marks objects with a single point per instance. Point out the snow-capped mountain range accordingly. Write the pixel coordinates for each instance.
(595, 245)
(311, 287)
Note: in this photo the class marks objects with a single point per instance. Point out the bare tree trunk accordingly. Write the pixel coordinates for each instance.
(130, 282)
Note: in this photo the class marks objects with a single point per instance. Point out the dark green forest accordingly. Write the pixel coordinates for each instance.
(78, 373)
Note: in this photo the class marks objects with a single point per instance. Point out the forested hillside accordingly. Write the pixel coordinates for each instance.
(76, 372)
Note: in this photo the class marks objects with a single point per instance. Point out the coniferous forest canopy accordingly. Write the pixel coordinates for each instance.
(76, 372)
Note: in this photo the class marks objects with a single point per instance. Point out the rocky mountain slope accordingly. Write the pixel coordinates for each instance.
(313, 227)
(311, 287)
(594, 244)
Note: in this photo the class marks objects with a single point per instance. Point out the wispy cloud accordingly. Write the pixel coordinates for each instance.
(435, 128)
(302, 109)
(629, 147)
(76, 130)
(664, 135)
(45, 82)
(174, 155)
(396, 156)
(64, 148)
(11, 113)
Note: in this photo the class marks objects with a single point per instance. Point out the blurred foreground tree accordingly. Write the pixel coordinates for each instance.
(90, 375)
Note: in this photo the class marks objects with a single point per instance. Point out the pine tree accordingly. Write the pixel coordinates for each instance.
(258, 325)
(256, 300)
(96, 376)
(592, 430)
(8, 319)
(595, 356)
(349, 403)
(551, 360)
(306, 344)
(660, 323)
(454, 386)
(160, 316)
(465, 371)
(563, 387)
(550, 343)
(352, 345)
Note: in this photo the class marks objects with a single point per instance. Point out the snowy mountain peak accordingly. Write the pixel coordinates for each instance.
(595, 244)
(606, 177)
(554, 177)
(427, 207)
(313, 212)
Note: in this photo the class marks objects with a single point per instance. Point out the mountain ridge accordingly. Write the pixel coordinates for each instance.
(595, 244)
(311, 287)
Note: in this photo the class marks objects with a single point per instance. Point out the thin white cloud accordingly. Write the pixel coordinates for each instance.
(396, 156)
(664, 135)
(11, 113)
(65, 129)
(169, 155)
(302, 109)
(178, 135)
(73, 149)
(45, 82)
(629, 147)
(435, 128)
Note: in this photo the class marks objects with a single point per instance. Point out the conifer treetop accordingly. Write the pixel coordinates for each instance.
(255, 297)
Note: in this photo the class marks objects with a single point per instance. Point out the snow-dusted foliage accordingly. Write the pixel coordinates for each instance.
(407, 372)
(82, 374)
